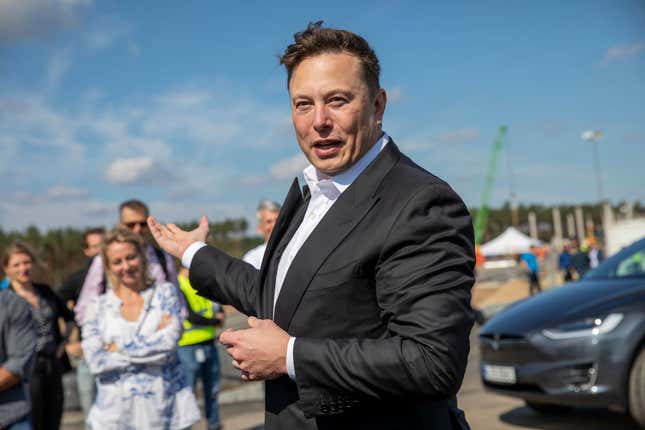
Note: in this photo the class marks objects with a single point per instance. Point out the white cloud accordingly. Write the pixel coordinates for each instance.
(105, 37)
(58, 65)
(185, 99)
(136, 170)
(395, 95)
(289, 167)
(60, 192)
(172, 143)
(34, 19)
(457, 136)
(425, 142)
(622, 52)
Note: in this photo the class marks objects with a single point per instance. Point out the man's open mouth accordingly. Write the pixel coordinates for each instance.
(327, 148)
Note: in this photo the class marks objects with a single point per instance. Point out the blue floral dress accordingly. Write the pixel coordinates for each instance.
(142, 384)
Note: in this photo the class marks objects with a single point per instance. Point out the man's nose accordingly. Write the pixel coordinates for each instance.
(322, 120)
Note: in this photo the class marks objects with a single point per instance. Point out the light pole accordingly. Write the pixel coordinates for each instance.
(594, 136)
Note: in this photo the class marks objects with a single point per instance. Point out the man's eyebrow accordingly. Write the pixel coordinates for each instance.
(345, 92)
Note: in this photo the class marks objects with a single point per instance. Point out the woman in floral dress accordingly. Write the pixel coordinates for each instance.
(130, 336)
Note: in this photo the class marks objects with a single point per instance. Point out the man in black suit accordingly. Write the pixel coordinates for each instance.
(360, 312)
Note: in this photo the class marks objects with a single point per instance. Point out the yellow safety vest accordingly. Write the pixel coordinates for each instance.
(196, 333)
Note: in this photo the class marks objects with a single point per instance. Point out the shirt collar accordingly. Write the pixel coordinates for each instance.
(343, 180)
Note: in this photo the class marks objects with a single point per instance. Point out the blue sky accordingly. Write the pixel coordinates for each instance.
(184, 105)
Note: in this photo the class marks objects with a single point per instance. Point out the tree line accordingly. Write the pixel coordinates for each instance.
(61, 249)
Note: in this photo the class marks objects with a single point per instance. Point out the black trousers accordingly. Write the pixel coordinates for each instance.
(46, 390)
(534, 283)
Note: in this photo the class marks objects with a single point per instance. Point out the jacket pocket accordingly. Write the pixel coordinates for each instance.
(336, 276)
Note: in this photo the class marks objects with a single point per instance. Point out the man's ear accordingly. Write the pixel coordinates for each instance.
(380, 101)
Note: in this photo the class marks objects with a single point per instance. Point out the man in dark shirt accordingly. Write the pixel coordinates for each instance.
(71, 286)
(69, 291)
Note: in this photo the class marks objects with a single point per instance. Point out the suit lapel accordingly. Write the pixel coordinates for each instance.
(289, 209)
(350, 208)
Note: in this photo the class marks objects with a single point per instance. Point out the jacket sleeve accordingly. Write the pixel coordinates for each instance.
(224, 279)
(20, 341)
(422, 282)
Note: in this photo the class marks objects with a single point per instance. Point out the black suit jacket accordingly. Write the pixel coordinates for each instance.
(378, 298)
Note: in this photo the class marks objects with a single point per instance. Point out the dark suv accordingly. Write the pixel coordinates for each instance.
(582, 344)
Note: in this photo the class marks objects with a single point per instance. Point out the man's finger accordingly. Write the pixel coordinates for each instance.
(203, 224)
(253, 322)
(229, 337)
(174, 229)
(153, 226)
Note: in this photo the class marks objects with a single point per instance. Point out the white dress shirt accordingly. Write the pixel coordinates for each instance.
(325, 191)
(255, 255)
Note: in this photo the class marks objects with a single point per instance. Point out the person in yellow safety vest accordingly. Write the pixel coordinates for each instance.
(197, 350)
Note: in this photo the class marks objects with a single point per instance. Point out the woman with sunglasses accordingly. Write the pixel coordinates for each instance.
(130, 336)
(45, 381)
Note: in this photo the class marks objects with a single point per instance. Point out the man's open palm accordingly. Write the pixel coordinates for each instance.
(174, 240)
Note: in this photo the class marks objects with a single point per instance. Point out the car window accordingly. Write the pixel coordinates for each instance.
(628, 263)
(632, 266)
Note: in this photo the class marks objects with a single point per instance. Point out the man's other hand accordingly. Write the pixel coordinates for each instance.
(260, 351)
(174, 240)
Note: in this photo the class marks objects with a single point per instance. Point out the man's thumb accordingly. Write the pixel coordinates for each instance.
(203, 224)
(253, 322)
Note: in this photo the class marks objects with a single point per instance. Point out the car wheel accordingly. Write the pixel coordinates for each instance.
(548, 408)
(637, 389)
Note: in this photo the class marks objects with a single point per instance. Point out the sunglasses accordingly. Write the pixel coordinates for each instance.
(131, 225)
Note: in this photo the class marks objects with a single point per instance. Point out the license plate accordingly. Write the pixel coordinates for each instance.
(500, 374)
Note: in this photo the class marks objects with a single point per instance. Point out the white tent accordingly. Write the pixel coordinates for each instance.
(511, 241)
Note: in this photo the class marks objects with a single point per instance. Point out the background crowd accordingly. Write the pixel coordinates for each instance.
(127, 323)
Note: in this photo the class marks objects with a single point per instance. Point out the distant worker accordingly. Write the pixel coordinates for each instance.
(267, 214)
(595, 254)
(197, 350)
(580, 259)
(71, 286)
(564, 262)
(530, 265)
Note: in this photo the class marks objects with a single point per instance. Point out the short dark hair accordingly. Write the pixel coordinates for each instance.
(91, 231)
(135, 205)
(18, 247)
(316, 40)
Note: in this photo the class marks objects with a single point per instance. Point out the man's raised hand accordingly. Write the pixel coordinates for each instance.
(174, 240)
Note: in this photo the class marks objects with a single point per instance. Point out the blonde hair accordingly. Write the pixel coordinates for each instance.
(122, 235)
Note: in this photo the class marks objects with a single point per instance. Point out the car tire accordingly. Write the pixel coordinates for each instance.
(637, 389)
(547, 408)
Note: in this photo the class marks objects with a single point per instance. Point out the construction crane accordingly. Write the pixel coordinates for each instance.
(482, 214)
